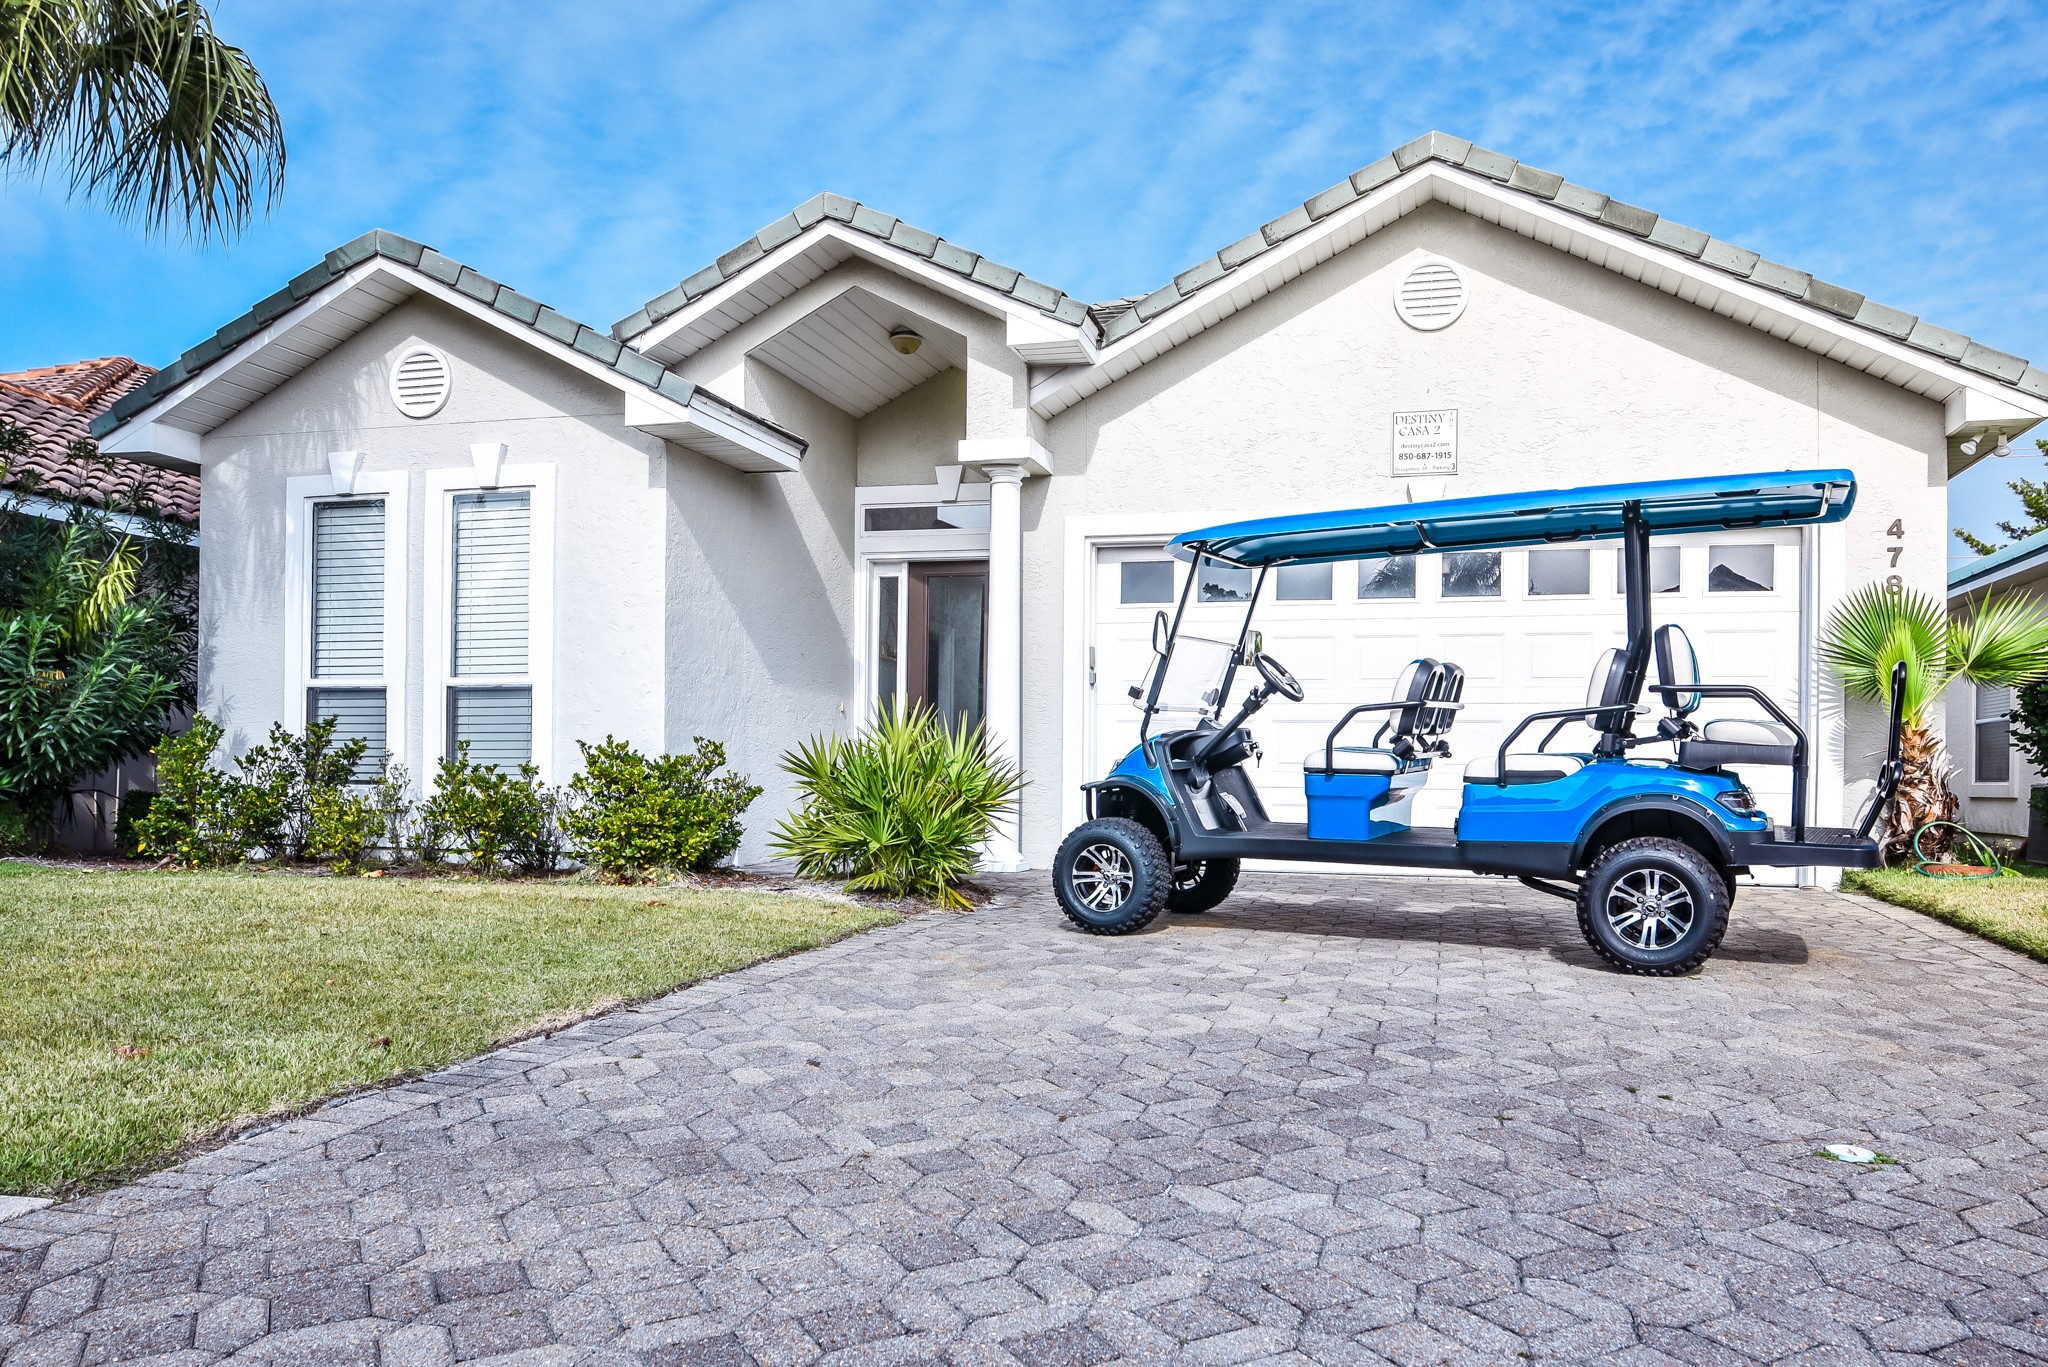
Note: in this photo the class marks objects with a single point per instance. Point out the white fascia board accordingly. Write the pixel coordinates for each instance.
(724, 435)
(1039, 340)
(154, 443)
(1670, 272)
(1037, 329)
(709, 428)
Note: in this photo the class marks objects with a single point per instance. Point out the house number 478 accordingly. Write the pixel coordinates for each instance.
(1897, 532)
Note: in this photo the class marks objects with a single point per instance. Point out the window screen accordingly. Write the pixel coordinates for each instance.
(358, 714)
(1472, 574)
(1145, 581)
(1994, 734)
(1566, 573)
(1303, 583)
(497, 723)
(491, 555)
(348, 590)
(1393, 577)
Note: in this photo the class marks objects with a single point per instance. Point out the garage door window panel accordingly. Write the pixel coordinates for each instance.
(1665, 574)
(1741, 568)
(1560, 574)
(1472, 574)
(1393, 577)
(1145, 581)
(1303, 583)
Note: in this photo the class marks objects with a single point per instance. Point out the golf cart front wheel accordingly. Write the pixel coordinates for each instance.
(1654, 906)
(1112, 876)
(1201, 885)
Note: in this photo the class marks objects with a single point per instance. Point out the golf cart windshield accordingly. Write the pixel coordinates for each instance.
(1195, 673)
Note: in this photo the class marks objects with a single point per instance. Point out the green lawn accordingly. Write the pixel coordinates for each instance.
(140, 1010)
(2012, 911)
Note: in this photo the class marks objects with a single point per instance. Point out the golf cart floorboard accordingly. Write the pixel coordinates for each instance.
(1832, 846)
(1427, 847)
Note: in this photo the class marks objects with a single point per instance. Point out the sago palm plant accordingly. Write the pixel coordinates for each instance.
(898, 809)
(2003, 643)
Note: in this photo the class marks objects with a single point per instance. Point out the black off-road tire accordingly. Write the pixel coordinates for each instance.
(1112, 876)
(1201, 885)
(1645, 876)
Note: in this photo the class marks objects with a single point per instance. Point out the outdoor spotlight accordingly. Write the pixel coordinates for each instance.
(1969, 448)
(2004, 447)
(905, 341)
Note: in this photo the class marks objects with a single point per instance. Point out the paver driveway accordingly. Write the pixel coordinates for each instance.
(1348, 1119)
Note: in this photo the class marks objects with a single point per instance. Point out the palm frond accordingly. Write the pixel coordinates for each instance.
(145, 105)
(1875, 628)
(2003, 642)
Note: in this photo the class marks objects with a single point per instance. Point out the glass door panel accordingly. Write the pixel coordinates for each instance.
(947, 632)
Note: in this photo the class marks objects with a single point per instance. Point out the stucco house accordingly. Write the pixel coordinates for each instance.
(1993, 779)
(850, 460)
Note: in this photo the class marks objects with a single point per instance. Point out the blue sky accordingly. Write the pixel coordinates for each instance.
(592, 155)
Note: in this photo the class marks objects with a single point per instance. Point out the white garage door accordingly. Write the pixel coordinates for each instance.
(1527, 625)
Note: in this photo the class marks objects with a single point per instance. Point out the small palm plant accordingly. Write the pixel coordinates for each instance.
(898, 809)
(2003, 643)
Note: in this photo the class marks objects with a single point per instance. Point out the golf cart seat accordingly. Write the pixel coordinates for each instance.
(1410, 734)
(1715, 743)
(1604, 690)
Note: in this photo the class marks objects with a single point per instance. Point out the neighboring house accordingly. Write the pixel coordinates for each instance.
(1993, 779)
(56, 405)
(851, 461)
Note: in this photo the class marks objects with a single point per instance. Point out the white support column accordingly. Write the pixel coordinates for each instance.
(1005, 701)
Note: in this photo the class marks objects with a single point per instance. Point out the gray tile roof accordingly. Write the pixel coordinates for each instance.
(1122, 318)
(1116, 319)
(504, 299)
(862, 219)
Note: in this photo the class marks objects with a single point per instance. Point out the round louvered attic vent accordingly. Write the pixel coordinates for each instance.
(1431, 296)
(419, 382)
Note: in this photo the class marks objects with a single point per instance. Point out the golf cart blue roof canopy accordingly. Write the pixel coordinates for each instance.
(1785, 498)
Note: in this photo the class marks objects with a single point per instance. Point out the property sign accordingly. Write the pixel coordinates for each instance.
(1426, 442)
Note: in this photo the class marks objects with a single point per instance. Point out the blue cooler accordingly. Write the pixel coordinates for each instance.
(1345, 806)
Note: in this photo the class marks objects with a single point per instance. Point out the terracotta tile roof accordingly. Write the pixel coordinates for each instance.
(56, 405)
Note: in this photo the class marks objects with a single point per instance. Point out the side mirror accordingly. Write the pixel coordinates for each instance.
(1162, 633)
(1254, 645)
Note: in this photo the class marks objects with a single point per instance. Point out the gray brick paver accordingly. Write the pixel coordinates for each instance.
(1336, 1120)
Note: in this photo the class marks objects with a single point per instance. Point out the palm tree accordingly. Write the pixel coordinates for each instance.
(145, 107)
(2003, 642)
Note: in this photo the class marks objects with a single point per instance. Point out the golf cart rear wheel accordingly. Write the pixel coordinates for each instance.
(1654, 906)
(1201, 885)
(1112, 876)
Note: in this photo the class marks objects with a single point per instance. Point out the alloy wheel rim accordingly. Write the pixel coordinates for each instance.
(1189, 876)
(1103, 877)
(1649, 909)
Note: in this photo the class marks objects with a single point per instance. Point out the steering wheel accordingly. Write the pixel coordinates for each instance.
(1276, 676)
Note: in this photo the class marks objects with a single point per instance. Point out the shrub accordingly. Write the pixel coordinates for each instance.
(495, 819)
(345, 827)
(633, 814)
(185, 821)
(22, 831)
(271, 805)
(898, 809)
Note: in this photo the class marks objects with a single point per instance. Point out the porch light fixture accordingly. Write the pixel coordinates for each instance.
(905, 341)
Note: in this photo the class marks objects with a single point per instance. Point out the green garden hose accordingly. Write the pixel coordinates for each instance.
(1926, 868)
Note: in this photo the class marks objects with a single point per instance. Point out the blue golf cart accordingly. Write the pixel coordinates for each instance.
(1648, 848)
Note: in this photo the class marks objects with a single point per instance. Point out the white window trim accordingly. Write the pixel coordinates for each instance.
(2014, 764)
(301, 493)
(442, 486)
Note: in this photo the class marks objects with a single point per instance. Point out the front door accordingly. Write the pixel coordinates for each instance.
(944, 639)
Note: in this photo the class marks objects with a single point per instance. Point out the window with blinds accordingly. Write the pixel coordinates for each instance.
(1994, 734)
(492, 555)
(348, 626)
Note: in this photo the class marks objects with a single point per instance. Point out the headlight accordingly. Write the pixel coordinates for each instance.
(1737, 800)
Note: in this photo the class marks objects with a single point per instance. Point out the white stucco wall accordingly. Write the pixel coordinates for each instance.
(690, 598)
(1563, 373)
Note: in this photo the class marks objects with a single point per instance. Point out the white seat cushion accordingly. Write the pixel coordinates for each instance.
(1523, 764)
(1746, 733)
(1353, 759)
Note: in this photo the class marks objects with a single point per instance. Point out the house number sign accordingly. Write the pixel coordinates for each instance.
(1426, 442)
